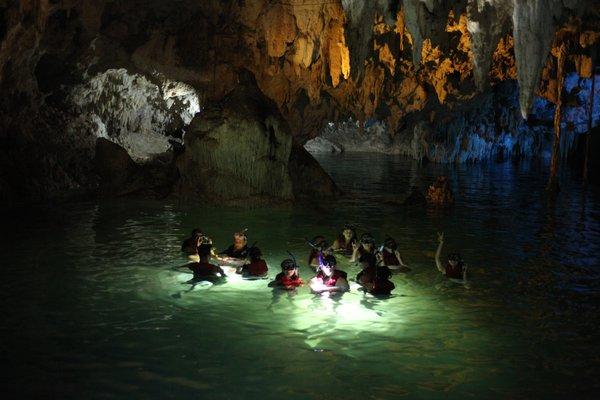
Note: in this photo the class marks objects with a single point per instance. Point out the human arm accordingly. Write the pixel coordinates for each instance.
(399, 257)
(438, 253)
(355, 247)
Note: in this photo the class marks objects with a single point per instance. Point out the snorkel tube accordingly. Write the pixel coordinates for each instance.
(319, 252)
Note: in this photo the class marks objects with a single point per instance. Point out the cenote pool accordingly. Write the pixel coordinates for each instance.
(92, 307)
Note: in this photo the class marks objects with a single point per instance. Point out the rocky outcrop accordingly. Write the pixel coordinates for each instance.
(239, 151)
(136, 72)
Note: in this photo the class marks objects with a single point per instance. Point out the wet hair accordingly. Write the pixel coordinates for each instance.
(288, 264)
(366, 238)
(391, 243)
(455, 257)
(330, 260)
(369, 259)
(349, 227)
(242, 233)
(320, 242)
(197, 232)
(254, 253)
(204, 250)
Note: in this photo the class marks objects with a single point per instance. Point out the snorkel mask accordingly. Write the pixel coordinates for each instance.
(455, 258)
(288, 265)
(390, 243)
(367, 239)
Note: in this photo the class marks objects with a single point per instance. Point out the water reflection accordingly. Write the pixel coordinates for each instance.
(91, 294)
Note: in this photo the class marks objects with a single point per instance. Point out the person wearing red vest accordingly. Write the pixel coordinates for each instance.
(328, 278)
(455, 267)
(374, 278)
(391, 256)
(203, 270)
(343, 243)
(257, 267)
(288, 278)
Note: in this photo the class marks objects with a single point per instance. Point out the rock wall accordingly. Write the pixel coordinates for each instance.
(135, 72)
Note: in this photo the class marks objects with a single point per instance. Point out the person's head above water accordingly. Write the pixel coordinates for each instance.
(240, 238)
(204, 250)
(328, 265)
(197, 233)
(390, 243)
(454, 259)
(348, 232)
(320, 242)
(367, 260)
(289, 267)
(254, 253)
(367, 240)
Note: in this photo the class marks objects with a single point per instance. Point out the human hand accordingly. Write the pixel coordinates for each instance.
(441, 237)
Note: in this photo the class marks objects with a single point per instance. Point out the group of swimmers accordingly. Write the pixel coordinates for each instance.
(376, 264)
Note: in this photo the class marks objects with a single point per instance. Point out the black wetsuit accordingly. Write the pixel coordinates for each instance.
(240, 254)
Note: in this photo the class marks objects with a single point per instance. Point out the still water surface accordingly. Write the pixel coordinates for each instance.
(92, 307)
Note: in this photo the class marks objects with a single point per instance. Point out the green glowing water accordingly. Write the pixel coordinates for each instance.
(92, 307)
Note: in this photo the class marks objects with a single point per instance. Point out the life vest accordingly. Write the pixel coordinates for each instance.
(455, 272)
(332, 280)
(285, 280)
(256, 268)
(389, 258)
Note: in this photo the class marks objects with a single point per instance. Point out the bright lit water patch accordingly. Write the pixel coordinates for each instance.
(93, 305)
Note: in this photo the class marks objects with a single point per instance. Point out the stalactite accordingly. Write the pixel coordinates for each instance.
(590, 121)
(487, 22)
(560, 52)
(533, 30)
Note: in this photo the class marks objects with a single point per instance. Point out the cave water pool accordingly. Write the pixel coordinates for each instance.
(92, 307)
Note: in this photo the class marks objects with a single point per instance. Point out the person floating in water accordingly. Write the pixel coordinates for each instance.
(343, 243)
(391, 256)
(328, 278)
(190, 245)
(257, 267)
(454, 268)
(204, 270)
(366, 245)
(237, 253)
(288, 278)
(374, 278)
(320, 249)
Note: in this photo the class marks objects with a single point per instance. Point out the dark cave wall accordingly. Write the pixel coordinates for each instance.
(136, 72)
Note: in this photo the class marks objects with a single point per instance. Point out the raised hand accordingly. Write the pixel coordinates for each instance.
(441, 237)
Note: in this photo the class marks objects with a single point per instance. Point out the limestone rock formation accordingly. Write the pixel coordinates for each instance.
(136, 72)
(239, 150)
(487, 23)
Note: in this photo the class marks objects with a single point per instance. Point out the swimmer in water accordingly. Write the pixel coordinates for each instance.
(257, 267)
(320, 249)
(204, 270)
(343, 243)
(391, 256)
(328, 278)
(190, 245)
(366, 245)
(374, 278)
(288, 278)
(238, 250)
(455, 268)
